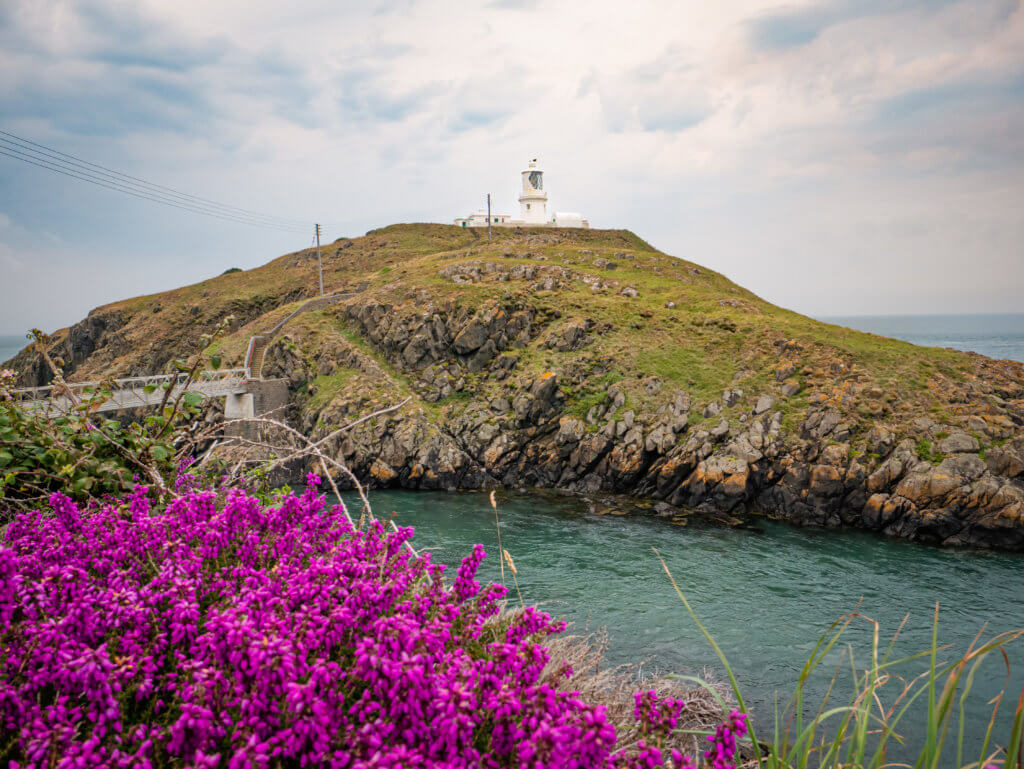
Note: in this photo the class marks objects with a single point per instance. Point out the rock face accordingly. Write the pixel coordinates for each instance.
(98, 330)
(520, 434)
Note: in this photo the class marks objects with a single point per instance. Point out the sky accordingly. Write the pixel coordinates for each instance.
(837, 158)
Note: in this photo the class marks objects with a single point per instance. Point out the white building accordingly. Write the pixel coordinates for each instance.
(533, 208)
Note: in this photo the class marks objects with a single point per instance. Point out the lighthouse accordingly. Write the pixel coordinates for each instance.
(533, 208)
(533, 200)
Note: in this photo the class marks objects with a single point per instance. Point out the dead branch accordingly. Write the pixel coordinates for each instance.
(310, 448)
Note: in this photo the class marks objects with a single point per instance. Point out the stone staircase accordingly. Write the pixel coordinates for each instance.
(254, 358)
(258, 344)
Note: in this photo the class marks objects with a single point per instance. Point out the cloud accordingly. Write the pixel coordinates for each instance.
(666, 93)
(780, 30)
(766, 140)
(8, 261)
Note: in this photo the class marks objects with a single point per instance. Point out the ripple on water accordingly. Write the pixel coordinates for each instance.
(765, 594)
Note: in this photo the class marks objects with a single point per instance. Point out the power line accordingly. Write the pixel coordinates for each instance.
(80, 169)
(101, 183)
(77, 173)
(53, 155)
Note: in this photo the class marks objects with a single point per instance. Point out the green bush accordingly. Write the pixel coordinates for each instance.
(71, 448)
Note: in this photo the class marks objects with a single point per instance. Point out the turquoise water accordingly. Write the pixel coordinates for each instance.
(997, 336)
(765, 594)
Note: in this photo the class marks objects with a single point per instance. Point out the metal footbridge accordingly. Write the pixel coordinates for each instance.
(142, 391)
(135, 392)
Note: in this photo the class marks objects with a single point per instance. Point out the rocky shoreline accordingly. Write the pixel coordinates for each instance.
(736, 457)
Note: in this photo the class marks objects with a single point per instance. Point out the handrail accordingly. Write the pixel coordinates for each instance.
(304, 307)
(248, 356)
(308, 306)
(130, 383)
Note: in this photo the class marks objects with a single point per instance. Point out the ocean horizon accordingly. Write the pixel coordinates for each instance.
(997, 335)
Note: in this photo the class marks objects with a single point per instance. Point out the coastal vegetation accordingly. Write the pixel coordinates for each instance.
(70, 448)
(217, 631)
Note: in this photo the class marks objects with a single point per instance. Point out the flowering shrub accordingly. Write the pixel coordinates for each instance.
(722, 753)
(215, 631)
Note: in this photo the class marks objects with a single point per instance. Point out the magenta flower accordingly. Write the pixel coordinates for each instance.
(215, 631)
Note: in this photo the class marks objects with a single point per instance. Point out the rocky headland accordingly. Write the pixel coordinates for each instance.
(589, 361)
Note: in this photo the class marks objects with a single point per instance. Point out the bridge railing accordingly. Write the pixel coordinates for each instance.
(133, 392)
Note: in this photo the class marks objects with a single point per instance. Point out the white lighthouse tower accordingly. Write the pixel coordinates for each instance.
(533, 208)
(533, 200)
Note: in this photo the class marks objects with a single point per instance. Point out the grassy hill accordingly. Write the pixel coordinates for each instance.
(460, 323)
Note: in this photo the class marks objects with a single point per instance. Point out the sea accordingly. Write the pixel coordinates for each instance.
(766, 593)
(997, 336)
(11, 345)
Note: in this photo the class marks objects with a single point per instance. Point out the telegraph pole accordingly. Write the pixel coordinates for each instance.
(319, 262)
(488, 216)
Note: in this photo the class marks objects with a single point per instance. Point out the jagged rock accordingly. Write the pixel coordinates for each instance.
(678, 423)
(835, 455)
(660, 440)
(571, 336)
(820, 424)
(924, 488)
(958, 442)
(680, 403)
(382, 472)
(652, 385)
(743, 448)
(470, 338)
(482, 356)
(731, 397)
(790, 388)
(826, 481)
(720, 430)
(967, 467)
(840, 466)
(1004, 461)
(880, 440)
(545, 387)
(570, 430)
(713, 409)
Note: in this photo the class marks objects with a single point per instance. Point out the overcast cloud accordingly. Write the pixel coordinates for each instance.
(855, 156)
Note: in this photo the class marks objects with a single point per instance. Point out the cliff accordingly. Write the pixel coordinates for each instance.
(588, 360)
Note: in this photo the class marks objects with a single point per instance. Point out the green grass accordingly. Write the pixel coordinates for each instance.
(924, 451)
(594, 394)
(330, 386)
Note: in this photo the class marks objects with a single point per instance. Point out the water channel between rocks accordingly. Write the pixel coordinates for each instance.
(765, 592)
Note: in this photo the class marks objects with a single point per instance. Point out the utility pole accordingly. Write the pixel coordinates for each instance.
(319, 262)
(488, 216)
